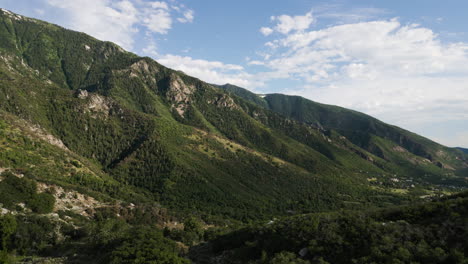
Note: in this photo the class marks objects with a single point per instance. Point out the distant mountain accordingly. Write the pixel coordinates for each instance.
(361, 129)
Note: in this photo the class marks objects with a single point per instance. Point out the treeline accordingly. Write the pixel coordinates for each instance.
(19, 193)
(434, 232)
(98, 241)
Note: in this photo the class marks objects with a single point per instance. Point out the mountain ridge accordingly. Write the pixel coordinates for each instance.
(326, 117)
(125, 111)
(465, 150)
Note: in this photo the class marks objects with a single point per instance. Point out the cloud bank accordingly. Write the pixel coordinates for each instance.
(120, 21)
(404, 73)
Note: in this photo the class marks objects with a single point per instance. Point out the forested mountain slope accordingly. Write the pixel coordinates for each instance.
(99, 146)
(463, 149)
(192, 145)
(365, 131)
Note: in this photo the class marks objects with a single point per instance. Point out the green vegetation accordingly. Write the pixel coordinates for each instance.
(107, 157)
(428, 233)
(107, 241)
(463, 149)
(7, 229)
(14, 190)
(146, 246)
(362, 130)
(116, 113)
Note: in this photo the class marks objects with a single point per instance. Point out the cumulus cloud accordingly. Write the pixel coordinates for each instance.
(158, 21)
(162, 5)
(113, 21)
(119, 21)
(402, 73)
(266, 31)
(286, 24)
(187, 17)
(210, 71)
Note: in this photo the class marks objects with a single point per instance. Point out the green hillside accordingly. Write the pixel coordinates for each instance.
(190, 144)
(380, 139)
(463, 149)
(108, 157)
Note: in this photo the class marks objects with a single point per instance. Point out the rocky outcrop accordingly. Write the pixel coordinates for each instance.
(179, 94)
(66, 200)
(399, 149)
(96, 104)
(226, 101)
(42, 134)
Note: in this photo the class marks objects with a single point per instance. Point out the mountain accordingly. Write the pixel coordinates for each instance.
(364, 131)
(189, 144)
(99, 146)
(464, 150)
(194, 146)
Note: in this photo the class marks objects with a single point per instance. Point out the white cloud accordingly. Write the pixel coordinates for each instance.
(119, 21)
(158, 21)
(187, 17)
(161, 5)
(210, 71)
(106, 20)
(403, 74)
(266, 31)
(256, 62)
(286, 24)
(346, 16)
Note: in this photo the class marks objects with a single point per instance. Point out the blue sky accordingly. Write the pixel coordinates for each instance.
(404, 62)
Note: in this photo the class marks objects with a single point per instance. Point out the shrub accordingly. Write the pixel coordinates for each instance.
(42, 203)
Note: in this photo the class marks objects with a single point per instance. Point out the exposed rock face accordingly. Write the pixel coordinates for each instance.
(144, 70)
(226, 101)
(82, 94)
(399, 149)
(71, 200)
(42, 134)
(14, 16)
(179, 94)
(96, 103)
(140, 66)
(99, 103)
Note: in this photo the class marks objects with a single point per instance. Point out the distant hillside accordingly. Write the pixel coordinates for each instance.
(381, 139)
(464, 150)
